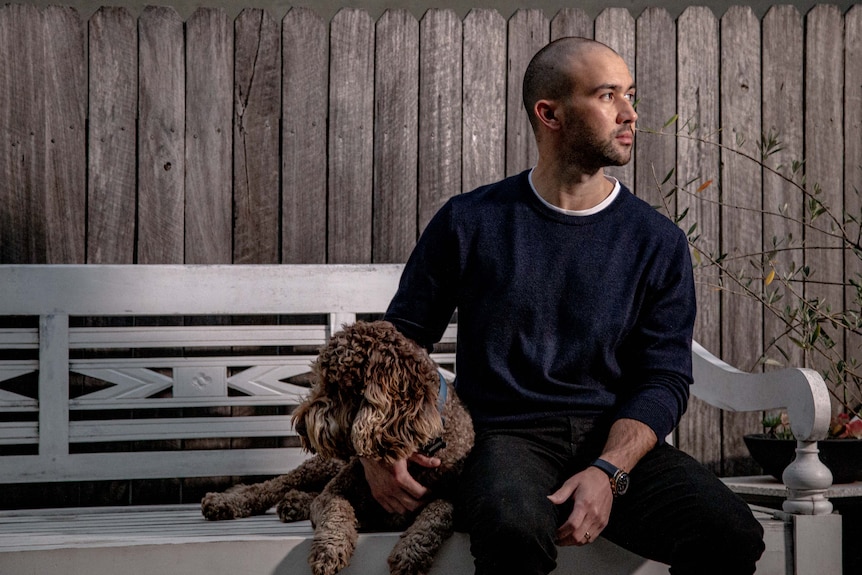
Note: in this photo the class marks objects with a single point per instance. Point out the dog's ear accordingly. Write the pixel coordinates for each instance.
(398, 413)
(323, 427)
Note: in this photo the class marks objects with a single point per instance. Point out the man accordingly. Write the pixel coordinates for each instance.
(575, 314)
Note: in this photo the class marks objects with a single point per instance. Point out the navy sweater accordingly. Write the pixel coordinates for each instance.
(557, 314)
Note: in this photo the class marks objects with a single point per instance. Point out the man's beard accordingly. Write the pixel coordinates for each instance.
(593, 152)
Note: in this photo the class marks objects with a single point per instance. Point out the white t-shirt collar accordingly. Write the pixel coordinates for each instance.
(588, 212)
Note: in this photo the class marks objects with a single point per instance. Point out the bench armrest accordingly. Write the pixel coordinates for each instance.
(801, 391)
(805, 396)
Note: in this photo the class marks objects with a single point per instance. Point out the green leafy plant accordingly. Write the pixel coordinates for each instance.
(786, 289)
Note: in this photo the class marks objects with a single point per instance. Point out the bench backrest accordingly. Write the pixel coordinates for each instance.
(125, 372)
(143, 372)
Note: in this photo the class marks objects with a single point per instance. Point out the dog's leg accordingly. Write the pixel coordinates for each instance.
(335, 534)
(414, 553)
(246, 500)
(295, 506)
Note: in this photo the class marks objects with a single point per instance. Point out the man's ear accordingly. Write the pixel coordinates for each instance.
(546, 112)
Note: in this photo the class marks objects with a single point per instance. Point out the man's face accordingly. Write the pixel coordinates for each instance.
(599, 120)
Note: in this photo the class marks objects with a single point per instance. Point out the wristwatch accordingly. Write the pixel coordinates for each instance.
(619, 478)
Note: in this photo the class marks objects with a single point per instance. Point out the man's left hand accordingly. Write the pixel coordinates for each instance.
(591, 493)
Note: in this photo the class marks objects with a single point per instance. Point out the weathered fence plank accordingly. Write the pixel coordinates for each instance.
(111, 154)
(44, 108)
(483, 148)
(529, 30)
(697, 162)
(351, 146)
(22, 213)
(571, 22)
(853, 155)
(257, 108)
(824, 124)
(783, 87)
(396, 98)
(440, 113)
(209, 137)
(740, 188)
(655, 155)
(161, 150)
(65, 122)
(615, 27)
(305, 85)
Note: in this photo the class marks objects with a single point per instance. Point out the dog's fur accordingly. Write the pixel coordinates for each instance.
(374, 395)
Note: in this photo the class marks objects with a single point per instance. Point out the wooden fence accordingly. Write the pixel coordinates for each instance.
(146, 139)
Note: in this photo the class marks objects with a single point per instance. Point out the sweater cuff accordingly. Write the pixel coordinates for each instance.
(653, 414)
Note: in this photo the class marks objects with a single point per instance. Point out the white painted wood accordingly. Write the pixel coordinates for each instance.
(152, 540)
(149, 465)
(19, 433)
(10, 401)
(766, 485)
(19, 338)
(179, 428)
(176, 539)
(178, 290)
(196, 336)
(817, 541)
(337, 320)
(805, 396)
(801, 391)
(53, 385)
(127, 383)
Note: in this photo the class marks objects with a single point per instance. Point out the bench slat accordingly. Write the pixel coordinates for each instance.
(159, 429)
(116, 290)
(197, 336)
(154, 465)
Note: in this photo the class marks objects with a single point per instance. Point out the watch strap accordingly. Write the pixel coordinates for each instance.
(617, 477)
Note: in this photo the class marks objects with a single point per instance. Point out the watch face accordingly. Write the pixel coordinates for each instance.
(622, 483)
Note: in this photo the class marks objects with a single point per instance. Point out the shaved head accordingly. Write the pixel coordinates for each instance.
(549, 74)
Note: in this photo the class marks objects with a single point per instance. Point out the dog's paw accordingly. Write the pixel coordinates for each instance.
(405, 560)
(327, 559)
(217, 506)
(295, 506)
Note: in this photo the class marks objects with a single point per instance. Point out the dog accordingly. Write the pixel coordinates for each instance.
(376, 394)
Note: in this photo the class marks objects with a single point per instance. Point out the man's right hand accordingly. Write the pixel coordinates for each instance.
(393, 486)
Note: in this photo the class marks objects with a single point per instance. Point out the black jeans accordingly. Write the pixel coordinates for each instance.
(676, 511)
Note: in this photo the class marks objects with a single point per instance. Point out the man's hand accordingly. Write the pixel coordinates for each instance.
(393, 487)
(628, 441)
(591, 492)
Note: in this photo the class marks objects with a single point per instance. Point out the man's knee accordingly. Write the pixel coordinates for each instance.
(730, 544)
(512, 539)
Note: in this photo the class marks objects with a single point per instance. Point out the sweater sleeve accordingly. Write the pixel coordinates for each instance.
(657, 355)
(427, 292)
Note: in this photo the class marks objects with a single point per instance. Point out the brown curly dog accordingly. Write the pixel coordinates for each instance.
(376, 394)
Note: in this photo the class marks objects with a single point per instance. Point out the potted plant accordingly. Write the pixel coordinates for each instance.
(791, 291)
(841, 452)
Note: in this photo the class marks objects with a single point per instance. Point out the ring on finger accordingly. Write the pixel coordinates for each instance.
(587, 536)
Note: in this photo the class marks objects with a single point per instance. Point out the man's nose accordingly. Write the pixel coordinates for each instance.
(627, 114)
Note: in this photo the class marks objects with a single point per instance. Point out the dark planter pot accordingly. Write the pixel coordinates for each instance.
(843, 457)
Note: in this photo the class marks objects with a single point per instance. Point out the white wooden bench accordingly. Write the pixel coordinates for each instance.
(102, 366)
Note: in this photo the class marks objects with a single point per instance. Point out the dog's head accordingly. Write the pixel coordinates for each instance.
(374, 395)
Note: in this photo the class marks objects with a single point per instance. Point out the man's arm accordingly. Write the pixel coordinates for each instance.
(629, 440)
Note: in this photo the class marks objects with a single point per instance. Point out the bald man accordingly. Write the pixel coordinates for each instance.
(576, 308)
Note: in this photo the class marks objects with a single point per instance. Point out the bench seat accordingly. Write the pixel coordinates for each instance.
(176, 539)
